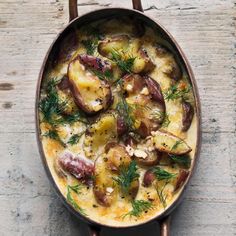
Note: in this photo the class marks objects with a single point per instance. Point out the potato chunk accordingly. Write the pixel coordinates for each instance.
(117, 156)
(104, 189)
(90, 93)
(101, 132)
(169, 143)
(124, 49)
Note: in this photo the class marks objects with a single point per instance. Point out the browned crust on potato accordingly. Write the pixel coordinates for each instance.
(79, 100)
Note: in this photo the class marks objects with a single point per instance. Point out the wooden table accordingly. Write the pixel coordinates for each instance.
(206, 32)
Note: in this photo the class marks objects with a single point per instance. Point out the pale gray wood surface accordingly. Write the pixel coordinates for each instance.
(206, 32)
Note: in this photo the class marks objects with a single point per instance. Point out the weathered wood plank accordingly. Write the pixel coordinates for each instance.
(206, 32)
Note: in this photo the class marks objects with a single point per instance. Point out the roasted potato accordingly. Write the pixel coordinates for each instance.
(114, 44)
(90, 93)
(133, 190)
(95, 63)
(146, 100)
(169, 143)
(147, 158)
(188, 113)
(104, 189)
(175, 71)
(148, 178)
(80, 167)
(183, 175)
(125, 48)
(101, 132)
(117, 156)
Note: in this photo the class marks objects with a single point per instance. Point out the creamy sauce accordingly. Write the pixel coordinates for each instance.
(114, 215)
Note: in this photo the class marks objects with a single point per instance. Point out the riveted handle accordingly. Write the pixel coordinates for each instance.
(165, 226)
(137, 5)
(73, 11)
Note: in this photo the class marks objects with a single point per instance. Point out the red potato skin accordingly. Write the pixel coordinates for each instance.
(148, 178)
(133, 191)
(95, 63)
(101, 197)
(149, 162)
(78, 99)
(183, 175)
(149, 64)
(64, 83)
(121, 126)
(78, 167)
(188, 113)
(176, 71)
(155, 90)
(130, 141)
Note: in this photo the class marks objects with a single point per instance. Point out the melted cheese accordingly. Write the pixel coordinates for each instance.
(113, 215)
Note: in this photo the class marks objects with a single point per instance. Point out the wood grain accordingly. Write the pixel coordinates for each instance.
(206, 32)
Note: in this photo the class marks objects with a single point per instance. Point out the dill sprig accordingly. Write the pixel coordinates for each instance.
(107, 75)
(139, 206)
(161, 195)
(162, 174)
(52, 134)
(174, 92)
(125, 111)
(51, 106)
(127, 176)
(76, 189)
(90, 45)
(92, 42)
(183, 160)
(124, 64)
(177, 143)
(75, 138)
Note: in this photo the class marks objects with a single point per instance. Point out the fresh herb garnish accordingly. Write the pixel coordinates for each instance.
(125, 111)
(90, 45)
(166, 121)
(51, 106)
(107, 75)
(161, 195)
(174, 92)
(139, 206)
(124, 64)
(127, 176)
(76, 189)
(75, 138)
(177, 143)
(52, 134)
(183, 160)
(162, 174)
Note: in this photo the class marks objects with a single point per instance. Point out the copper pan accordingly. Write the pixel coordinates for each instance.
(136, 12)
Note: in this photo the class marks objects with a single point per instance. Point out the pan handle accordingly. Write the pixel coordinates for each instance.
(73, 11)
(165, 226)
(137, 5)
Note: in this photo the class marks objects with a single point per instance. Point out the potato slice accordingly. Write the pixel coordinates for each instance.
(146, 100)
(126, 48)
(169, 143)
(90, 93)
(104, 189)
(116, 43)
(188, 113)
(117, 156)
(101, 132)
